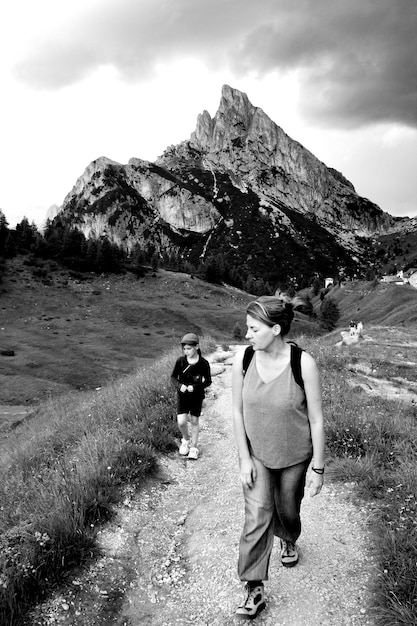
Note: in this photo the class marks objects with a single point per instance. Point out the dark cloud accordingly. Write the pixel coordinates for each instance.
(357, 62)
(356, 59)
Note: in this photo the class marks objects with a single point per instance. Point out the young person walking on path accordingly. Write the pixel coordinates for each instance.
(191, 376)
(278, 425)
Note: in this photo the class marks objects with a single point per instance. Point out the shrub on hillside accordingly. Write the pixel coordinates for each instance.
(329, 314)
(237, 332)
(316, 286)
(308, 308)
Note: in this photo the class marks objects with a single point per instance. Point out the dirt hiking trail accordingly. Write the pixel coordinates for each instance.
(170, 554)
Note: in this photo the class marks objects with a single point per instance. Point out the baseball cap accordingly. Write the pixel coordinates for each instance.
(190, 338)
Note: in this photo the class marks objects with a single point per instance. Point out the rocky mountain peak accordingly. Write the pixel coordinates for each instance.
(242, 139)
(233, 119)
(240, 189)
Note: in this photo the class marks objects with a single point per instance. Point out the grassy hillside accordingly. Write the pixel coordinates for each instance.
(77, 333)
(63, 470)
(396, 250)
(80, 332)
(375, 303)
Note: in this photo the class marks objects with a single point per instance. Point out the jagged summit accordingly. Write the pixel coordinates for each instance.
(239, 189)
(243, 140)
(235, 113)
(237, 123)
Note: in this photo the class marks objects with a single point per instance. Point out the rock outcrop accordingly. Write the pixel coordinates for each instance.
(239, 189)
(241, 138)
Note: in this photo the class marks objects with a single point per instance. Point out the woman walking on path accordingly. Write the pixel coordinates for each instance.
(191, 376)
(278, 425)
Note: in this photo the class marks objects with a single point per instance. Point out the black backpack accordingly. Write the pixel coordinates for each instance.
(295, 362)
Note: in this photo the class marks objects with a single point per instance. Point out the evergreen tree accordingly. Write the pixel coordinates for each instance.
(39, 247)
(83, 253)
(91, 255)
(154, 261)
(316, 285)
(107, 260)
(250, 284)
(71, 251)
(4, 232)
(308, 308)
(370, 273)
(260, 288)
(54, 237)
(189, 268)
(329, 314)
(292, 286)
(137, 259)
(25, 235)
(237, 332)
(211, 271)
(9, 246)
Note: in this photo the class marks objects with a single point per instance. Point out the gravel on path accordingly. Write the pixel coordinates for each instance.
(170, 555)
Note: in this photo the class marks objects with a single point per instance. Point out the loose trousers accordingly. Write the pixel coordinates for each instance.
(272, 507)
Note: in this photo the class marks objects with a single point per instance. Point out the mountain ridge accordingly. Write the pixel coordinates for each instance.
(240, 191)
(263, 141)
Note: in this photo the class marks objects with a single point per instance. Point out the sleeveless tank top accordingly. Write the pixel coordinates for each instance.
(275, 419)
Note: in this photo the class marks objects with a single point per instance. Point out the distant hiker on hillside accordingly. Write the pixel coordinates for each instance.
(191, 376)
(278, 424)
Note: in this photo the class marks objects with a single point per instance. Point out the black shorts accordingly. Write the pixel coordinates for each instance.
(189, 403)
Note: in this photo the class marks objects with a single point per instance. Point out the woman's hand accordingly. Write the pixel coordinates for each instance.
(247, 472)
(190, 388)
(315, 483)
(183, 388)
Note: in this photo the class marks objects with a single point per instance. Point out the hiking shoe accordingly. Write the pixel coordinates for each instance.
(193, 453)
(253, 603)
(289, 553)
(184, 447)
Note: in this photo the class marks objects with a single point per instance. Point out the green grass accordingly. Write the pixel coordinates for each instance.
(67, 469)
(372, 442)
(376, 303)
(69, 464)
(78, 334)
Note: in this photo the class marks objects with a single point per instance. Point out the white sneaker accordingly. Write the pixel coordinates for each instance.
(193, 453)
(184, 447)
(253, 603)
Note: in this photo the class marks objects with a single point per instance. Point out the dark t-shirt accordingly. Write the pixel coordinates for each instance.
(196, 374)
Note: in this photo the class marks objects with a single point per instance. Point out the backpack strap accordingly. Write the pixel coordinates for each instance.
(295, 362)
(247, 358)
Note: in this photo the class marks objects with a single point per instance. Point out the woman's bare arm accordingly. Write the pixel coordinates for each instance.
(247, 467)
(312, 386)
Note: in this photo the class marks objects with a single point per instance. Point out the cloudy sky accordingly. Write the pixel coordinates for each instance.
(127, 78)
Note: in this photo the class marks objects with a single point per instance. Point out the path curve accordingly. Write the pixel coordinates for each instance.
(170, 556)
